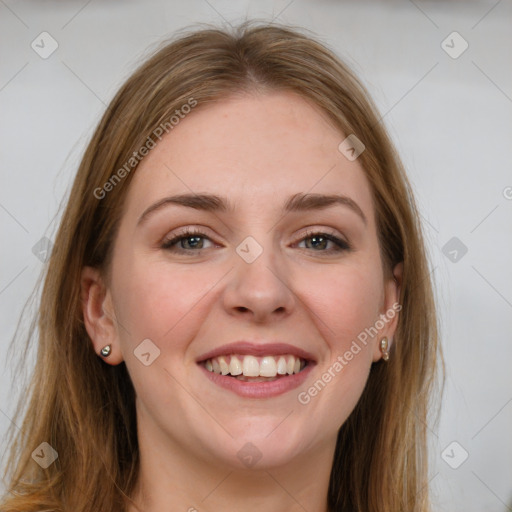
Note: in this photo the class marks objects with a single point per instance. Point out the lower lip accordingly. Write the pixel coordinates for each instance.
(259, 389)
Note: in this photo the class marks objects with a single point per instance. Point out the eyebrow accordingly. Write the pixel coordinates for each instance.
(214, 203)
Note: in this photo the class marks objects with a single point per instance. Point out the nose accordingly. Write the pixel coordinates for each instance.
(259, 291)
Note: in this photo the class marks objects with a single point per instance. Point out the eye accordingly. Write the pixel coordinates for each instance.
(190, 240)
(324, 242)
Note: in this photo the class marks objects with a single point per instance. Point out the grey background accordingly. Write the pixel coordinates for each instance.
(449, 117)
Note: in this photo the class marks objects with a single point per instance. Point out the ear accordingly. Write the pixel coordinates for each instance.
(98, 315)
(390, 313)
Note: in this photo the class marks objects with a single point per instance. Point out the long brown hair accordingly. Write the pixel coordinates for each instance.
(85, 409)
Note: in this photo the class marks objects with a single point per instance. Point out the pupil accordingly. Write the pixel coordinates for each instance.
(193, 241)
(318, 241)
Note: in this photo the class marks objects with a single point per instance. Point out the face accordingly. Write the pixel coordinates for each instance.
(231, 259)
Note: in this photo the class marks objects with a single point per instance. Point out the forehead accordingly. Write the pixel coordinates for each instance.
(255, 149)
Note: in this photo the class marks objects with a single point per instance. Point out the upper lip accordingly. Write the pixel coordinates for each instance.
(247, 348)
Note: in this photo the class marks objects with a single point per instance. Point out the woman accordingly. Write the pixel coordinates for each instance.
(237, 313)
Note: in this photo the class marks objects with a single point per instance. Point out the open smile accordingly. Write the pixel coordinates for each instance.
(257, 371)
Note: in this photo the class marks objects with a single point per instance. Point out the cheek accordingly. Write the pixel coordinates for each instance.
(158, 302)
(345, 302)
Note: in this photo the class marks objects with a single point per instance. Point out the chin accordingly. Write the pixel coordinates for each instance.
(259, 443)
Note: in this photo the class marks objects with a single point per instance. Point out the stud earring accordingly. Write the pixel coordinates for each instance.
(105, 351)
(384, 349)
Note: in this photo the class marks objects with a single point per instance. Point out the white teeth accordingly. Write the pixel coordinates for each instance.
(224, 368)
(281, 366)
(268, 367)
(251, 366)
(290, 366)
(235, 366)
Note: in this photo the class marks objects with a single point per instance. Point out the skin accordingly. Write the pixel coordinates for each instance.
(256, 150)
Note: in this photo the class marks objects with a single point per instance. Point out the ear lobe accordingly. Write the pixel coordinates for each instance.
(98, 322)
(392, 307)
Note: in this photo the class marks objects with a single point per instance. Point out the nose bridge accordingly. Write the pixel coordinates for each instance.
(259, 283)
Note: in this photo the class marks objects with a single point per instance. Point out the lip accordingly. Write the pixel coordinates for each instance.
(247, 348)
(258, 389)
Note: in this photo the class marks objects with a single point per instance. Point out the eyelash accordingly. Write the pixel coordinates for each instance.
(341, 245)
